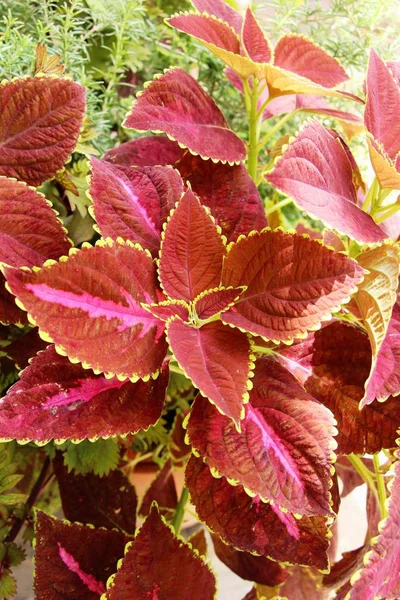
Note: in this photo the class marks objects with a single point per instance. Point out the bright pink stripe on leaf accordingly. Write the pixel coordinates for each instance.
(91, 582)
(84, 391)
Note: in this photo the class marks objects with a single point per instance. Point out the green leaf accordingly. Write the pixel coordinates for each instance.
(98, 457)
(8, 586)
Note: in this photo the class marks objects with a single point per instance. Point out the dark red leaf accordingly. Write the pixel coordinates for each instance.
(89, 305)
(57, 399)
(169, 309)
(9, 311)
(212, 302)
(254, 526)
(188, 266)
(218, 360)
(147, 151)
(108, 501)
(40, 122)
(177, 105)
(163, 491)
(284, 450)
(23, 348)
(159, 565)
(73, 561)
(228, 191)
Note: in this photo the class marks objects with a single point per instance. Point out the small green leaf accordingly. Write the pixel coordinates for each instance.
(8, 586)
(98, 457)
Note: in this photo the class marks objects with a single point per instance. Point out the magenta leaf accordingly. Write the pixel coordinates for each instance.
(73, 561)
(253, 568)
(293, 283)
(228, 191)
(96, 294)
(253, 526)
(255, 44)
(162, 490)
(218, 360)
(209, 30)
(298, 54)
(148, 151)
(221, 10)
(187, 265)
(55, 399)
(133, 203)
(379, 577)
(285, 448)
(333, 365)
(159, 566)
(215, 301)
(178, 106)
(109, 501)
(40, 122)
(30, 232)
(316, 172)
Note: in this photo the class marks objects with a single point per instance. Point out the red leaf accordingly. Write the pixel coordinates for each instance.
(349, 476)
(169, 309)
(108, 501)
(159, 565)
(333, 365)
(177, 105)
(379, 578)
(40, 121)
(384, 379)
(382, 106)
(342, 570)
(303, 584)
(254, 526)
(95, 295)
(162, 490)
(208, 29)
(284, 450)
(188, 266)
(298, 54)
(133, 203)
(147, 151)
(30, 232)
(212, 302)
(23, 348)
(179, 449)
(293, 283)
(9, 311)
(57, 399)
(218, 360)
(221, 10)
(316, 172)
(256, 45)
(253, 568)
(73, 561)
(228, 191)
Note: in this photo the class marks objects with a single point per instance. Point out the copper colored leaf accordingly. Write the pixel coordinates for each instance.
(303, 584)
(255, 44)
(298, 54)
(293, 283)
(253, 568)
(218, 360)
(198, 542)
(375, 299)
(221, 10)
(253, 526)
(379, 577)
(285, 448)
(159, 565)
(40, 122)
(212, 302)
(316, 172)
(333, 365)
(30, 232)
(90, 306)
(177, 105)
(133, 203)
(108, 501)
(188, 266)
(73, 561)
(387, 171)
(228, 191)
(147, 151)
(169, 309)
(57, 399)
(163, 491)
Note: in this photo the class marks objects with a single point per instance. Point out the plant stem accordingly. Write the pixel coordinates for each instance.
(16, 528)
(391, 210)
(370, 197)
(381, 486)
(271, 132)
(278, 205)
(175, 369)
(254, 132)
(180, 510)
(364, 473)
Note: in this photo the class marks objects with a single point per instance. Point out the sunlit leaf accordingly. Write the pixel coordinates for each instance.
(255, 44)
(221, 10)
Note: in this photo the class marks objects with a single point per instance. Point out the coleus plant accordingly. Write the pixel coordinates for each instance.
(285, 341)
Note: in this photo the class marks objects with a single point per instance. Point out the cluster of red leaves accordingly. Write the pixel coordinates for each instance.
(187, 273)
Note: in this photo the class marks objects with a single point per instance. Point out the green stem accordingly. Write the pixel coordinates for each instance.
(381, 486)
(263, 350)
(370, 197)
(278, 205)
(254, 132)
(271, 132)
(391, 210)
(180, 510)
(364, 473)
(175, 369)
